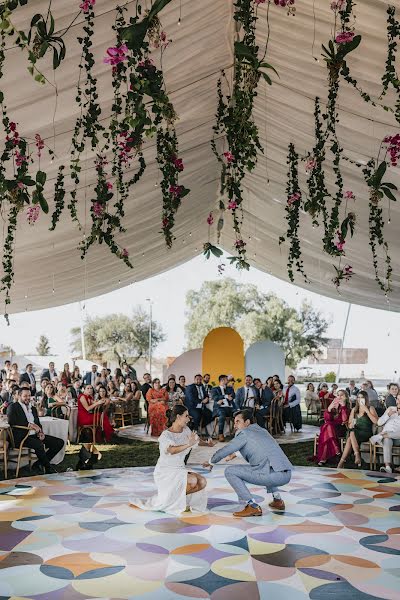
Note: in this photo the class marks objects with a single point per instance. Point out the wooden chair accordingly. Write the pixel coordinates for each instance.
(316, 414)
(377, 451)
(229, 420)
(65, 411)
(94, 426)
(4, 448)
(120, 415)
(22, 451)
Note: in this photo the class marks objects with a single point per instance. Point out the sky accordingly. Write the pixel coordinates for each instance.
(368, 328)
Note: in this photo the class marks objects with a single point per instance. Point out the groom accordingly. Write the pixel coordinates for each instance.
(268, 465)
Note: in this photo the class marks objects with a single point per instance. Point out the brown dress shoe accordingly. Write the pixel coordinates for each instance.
(248, 511)
(221, 438)
(277, 505)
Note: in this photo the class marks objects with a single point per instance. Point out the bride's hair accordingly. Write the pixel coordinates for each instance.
(179, 409)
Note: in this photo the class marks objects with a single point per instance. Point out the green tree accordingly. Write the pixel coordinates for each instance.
(117, 337)
(256, 316)
(43, 347)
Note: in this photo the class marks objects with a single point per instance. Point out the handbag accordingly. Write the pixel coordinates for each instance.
(88, 457)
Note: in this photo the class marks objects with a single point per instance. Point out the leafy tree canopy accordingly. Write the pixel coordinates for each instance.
(256, 316)
(43, 347)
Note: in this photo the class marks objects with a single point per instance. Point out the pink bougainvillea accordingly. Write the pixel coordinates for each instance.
(116, 55)
(124, 253)
(86, 5)
(229, 157)
(232, 205)
(39, 144)
(349, 195)
(310, 164)
(98, 209)
(178, 162)
(176, 190)
(344, 37)
(32, 213)
(393, 148)
(210, 219)
(294, 198)
(240, 244)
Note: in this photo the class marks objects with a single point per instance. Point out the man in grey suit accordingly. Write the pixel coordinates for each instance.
(247, 396)
(268, 464)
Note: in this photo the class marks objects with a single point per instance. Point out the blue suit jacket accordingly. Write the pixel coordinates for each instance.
(192, 396)
(87, 378)
(258, 448)
(241, 396)
(216, 395)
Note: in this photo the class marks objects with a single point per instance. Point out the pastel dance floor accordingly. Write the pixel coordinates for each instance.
(73, 536)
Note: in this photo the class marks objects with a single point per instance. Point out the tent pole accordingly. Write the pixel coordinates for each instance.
(342, 343)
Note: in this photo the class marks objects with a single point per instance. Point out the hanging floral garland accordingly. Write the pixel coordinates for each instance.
(336, 230)
(235, 122)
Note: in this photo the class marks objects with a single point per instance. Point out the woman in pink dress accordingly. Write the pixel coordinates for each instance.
(335, 416)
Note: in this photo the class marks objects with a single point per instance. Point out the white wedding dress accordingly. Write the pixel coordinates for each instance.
(170, 476)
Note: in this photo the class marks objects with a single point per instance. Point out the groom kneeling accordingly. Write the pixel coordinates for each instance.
(268, 464)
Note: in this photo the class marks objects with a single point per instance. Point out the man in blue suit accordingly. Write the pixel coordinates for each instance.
(247, 396)
(197, 401)
(268, 464)
(90, 377)
(224, 403)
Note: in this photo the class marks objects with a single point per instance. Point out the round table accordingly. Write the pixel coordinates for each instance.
(57, 428)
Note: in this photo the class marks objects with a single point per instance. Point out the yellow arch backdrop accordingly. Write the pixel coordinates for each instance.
(223, 353)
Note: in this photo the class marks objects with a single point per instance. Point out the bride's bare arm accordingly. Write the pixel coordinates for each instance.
(193, 439)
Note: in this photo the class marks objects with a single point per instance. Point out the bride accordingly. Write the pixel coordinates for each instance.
(177, 488)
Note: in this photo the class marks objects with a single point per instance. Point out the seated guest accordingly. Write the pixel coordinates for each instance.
(247, 396)
(362, 418)
(76, 373)
(48, 398)
(334, 389)
(29, 377)
(325, 396)
(257, 383)
(112, 390)
(263, 405)
(65, 375)
(278, 390)
(270, 382)
(104, 377)
(224, 403)
(90, 377)
(86, 404)
(197, 401)
(182, 382)
(176, 395)
(49, 373)
(336, 418)
(21, 413)
(352, 391)
(390, 434)
(76, 388)
(391, 397)
(14, 373)
(372, 394)
(291, 404)
(128, 401)
(157, 398)
(207, 384)
(146, 385)
(5, 373)
(312, 402)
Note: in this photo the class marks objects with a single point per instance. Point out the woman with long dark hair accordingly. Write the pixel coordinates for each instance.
(336, 417)
(362, 418)
(177, 488)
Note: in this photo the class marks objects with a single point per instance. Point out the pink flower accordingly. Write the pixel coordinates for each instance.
(284, 3)
(310, 165)
(20, 185)
(124, 253)
(347, 271)
(178, 162)
(86, 5)
(210, 219)
(109, 185)
(39, 144)
(98, 209)
(20, 159)
(337, 5)
(229, 157)
(13, 126)
(165, 222)
(294, 198)
(32, 213)
(393, 144)
(339, 242)
(240, 244)
(349, 195)
(232, 205)
(176, 190)
(144, 64)
(344, 37)
(257, 2)
(116, 55)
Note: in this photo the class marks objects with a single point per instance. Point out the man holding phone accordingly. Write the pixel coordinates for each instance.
(390, 434)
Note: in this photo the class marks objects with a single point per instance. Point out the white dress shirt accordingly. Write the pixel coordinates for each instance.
(391, 423)
(29, 415)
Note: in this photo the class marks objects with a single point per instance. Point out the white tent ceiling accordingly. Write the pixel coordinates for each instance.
(202, 46)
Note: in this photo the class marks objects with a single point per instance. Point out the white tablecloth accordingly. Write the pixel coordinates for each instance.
(57, 428)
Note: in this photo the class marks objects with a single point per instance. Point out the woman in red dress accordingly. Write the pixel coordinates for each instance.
(65, 376)
(336, 416)
(157, 397)
(86, 404)
(325, 396)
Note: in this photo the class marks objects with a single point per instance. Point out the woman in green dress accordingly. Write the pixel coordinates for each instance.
(361, 420)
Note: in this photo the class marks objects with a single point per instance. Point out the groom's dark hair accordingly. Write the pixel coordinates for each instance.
(247, 415)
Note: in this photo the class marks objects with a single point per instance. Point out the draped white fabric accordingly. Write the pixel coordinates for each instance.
(202, 46)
